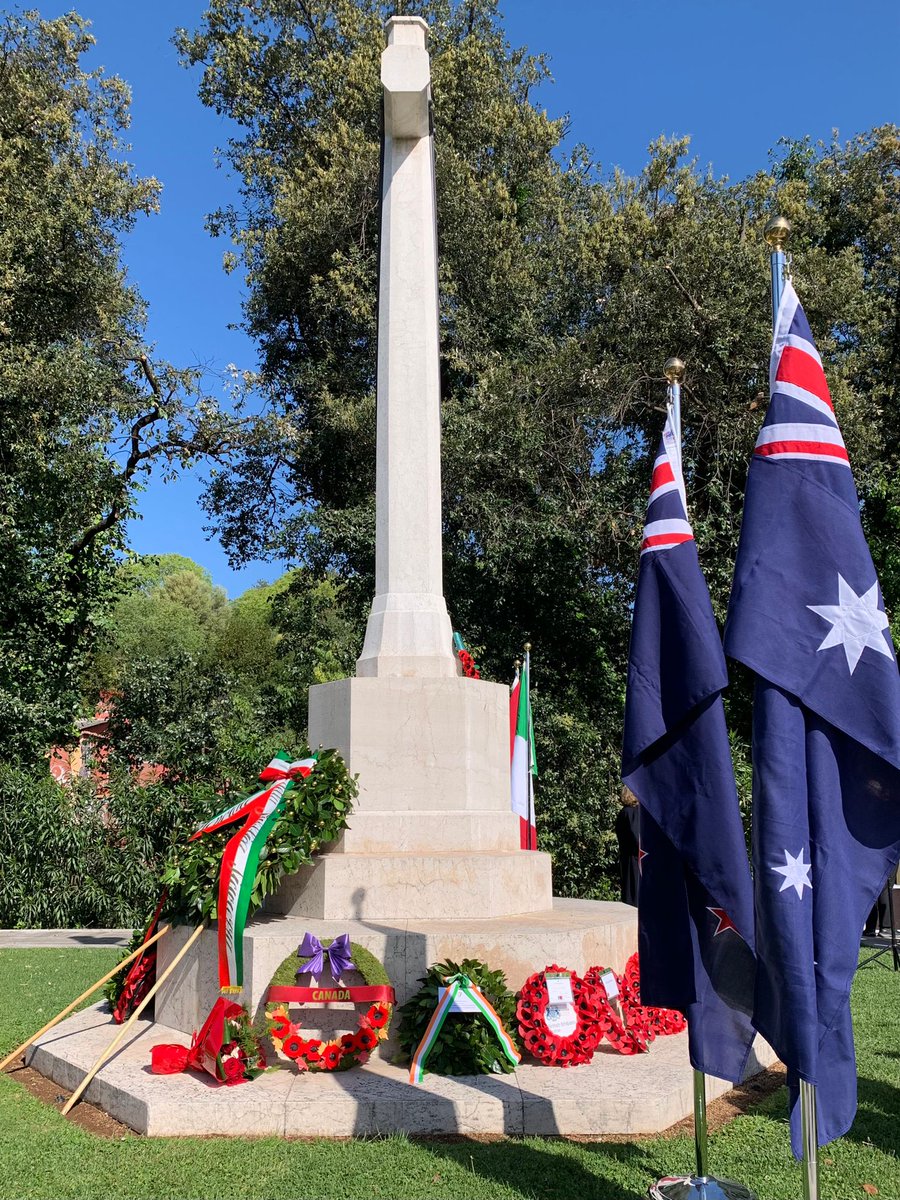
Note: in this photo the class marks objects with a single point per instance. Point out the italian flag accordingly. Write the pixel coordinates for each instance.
(523, 764)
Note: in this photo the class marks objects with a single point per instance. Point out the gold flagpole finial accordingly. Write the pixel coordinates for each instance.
(777, 232)
(674, 370)
(527, 647)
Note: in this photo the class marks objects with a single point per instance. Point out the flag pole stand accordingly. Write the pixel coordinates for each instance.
(702, 1185)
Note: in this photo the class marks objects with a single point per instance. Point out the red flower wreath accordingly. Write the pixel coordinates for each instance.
(468, 664)
(539, 1039)
(632, 1036)
(352, 1049)
(663, 1021)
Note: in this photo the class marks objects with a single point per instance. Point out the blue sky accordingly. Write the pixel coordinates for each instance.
(734, 74)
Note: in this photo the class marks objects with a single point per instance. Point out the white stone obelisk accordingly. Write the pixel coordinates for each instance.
(409, 632)
(432, 830)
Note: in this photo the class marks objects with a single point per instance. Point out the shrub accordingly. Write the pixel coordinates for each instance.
(72, 857)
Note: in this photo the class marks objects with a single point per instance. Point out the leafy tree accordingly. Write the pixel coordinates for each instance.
(84, 412)
(562, 294)
(170, 609)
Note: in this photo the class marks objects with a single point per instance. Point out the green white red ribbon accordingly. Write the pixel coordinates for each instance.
(240, 859)
(459, 984)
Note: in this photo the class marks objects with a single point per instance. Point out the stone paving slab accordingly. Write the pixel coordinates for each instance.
(66, 939)
(614, 1094)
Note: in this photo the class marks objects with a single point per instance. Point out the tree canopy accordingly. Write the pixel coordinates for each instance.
(84, 412)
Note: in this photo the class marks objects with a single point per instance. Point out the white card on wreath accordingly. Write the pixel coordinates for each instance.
(461, 1003)
(610, 983)
(559, 989)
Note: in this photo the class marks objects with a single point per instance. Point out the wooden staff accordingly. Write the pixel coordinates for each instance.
(110, 1049)
(84, 995)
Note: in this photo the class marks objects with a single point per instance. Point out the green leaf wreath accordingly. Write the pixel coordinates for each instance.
(315, 811)
(466, 1045)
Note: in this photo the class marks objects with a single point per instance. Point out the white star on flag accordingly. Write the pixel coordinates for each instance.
(795, 872)
(856, 622)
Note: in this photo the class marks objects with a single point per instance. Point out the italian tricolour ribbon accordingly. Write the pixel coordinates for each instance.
(457, 984)
(240, 859)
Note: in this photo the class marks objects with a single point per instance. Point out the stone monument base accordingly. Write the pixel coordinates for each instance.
(384, 887)
(614, 1094)
(574, 933)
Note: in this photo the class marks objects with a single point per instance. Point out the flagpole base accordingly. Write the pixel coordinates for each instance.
(692, 1187)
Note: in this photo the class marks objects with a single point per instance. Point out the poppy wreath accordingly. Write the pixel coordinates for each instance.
(662, 1021)
(537, 1036)
(631, 1036)
(470, 670)
(349, 1049)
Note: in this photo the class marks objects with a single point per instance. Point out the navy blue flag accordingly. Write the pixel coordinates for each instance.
(807, 617)
(695, 908)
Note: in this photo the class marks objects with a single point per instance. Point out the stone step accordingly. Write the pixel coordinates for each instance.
(574, 933)
(613, 1094)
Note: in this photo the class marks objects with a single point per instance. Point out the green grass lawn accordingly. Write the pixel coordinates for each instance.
(42, 1155)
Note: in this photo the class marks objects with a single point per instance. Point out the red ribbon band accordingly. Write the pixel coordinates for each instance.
(330, 995)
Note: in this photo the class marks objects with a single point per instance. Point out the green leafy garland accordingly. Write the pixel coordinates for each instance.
(315, 811)
(466, 1044)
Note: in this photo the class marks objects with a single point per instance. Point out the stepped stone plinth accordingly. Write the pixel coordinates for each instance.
(614, 1094)
(574, 933)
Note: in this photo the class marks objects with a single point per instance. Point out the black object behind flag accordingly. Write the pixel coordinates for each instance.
(695, 910)
(807, 617)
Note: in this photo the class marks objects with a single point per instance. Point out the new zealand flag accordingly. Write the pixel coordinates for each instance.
(807, 617)
(695, 909)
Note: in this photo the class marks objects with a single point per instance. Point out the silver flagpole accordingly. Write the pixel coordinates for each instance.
(776, 233)
(702, 1185)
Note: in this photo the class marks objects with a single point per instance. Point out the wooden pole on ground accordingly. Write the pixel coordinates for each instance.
(110, 1049)
(84, 995)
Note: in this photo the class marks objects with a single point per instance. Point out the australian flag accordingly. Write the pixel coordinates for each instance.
(695, 908)
(807, 617)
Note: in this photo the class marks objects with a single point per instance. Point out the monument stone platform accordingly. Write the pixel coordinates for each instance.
(614, 1094)
(574, 933)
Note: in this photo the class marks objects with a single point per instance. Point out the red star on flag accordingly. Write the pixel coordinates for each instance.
(725, 922)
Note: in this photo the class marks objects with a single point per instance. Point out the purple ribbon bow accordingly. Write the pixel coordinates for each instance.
(338, 955)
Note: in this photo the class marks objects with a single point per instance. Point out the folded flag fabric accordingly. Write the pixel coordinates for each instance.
(240, 859)
(807, 616)
(523, 761)
(695, 904)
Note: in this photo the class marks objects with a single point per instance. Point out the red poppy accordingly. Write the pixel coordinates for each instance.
(331, 1056)
(293, 1046)
(378, 1016)
(281, 1024)
(348, 1041)
(312, 1052)
(366, 1039)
